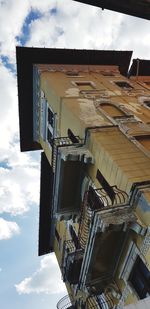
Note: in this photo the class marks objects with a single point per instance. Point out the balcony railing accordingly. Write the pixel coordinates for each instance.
(71, 262)
(64, 303)
(61, 142)
(100, 302)
(97, 199)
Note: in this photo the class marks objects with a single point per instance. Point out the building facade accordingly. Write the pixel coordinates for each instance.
(90, 115)
(138, 8)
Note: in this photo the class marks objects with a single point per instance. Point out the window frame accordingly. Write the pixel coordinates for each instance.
(85, 83)
(137, 272)
(128, 86)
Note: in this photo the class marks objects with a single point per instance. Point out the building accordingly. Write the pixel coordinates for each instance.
(90, 115)
(138, 8)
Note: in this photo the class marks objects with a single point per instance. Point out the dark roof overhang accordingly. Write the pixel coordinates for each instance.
(140, 67)
(27, 57)
(45, 215)
(136, 8)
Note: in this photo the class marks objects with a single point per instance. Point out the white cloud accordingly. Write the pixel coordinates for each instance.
(8, 107)
(12, 16)
(79, 26)
(47, 279)
(19, 186)
(8, 229)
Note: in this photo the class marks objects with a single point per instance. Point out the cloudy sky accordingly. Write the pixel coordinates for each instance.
(27, 281)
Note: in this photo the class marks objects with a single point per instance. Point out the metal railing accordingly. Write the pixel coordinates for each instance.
(69, 252)
(61, 142)
(64, 302)
(98, 198)
(100, 302)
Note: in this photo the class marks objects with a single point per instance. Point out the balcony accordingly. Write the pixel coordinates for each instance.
(71, 262)
(68, 161)
(97, 200)
(99, 302)
(61, 142)
(102, 233)
(65, 303)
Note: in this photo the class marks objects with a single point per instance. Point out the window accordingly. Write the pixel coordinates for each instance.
(140, 279)
(50, 117)
(74, 237)
(147, 103)
(72, 73)
(57, 236)
(108, 189)
(84, 85)
(49, 137)
(147, 83)
(124, 85)
(43, 114)
(107, 73)
(72, 137)
(112, 110)
(144, 140)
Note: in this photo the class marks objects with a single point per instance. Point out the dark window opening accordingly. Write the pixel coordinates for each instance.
(84, 85)
(147, 103)
(74, 237)
(50, 117)
(49, 137)
(124, 85)
(108, 189)
(144, 140)
(147, 83)
(57, 236)
(72, 137)
(140, 279)
(108, 74)
(71, 73)
(94, 200)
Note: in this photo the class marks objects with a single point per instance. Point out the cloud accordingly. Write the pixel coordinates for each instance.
(9, 108)
(78, 26)
(47, 279)
(12, 15)
(19, 184)
(8, 229)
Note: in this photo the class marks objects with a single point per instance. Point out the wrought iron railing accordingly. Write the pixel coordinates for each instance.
(97, 199)
(70, 254)
(100, 302)
(64, 303)
(84, 224)
(61, 142)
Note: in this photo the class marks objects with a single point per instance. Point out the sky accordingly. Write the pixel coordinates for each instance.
(26, 280)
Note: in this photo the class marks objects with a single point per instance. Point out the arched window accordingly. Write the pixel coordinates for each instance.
(112, 110)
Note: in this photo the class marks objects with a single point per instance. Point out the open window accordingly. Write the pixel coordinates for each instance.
(84, 85)
(114, 111)
(50, 117)
(140, 279)
(143, 140)
(72, 73)
(147, 103)
(108, 73)
(108, 189)
(124, 85)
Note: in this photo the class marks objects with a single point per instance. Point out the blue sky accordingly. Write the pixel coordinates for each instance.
(26, 280)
